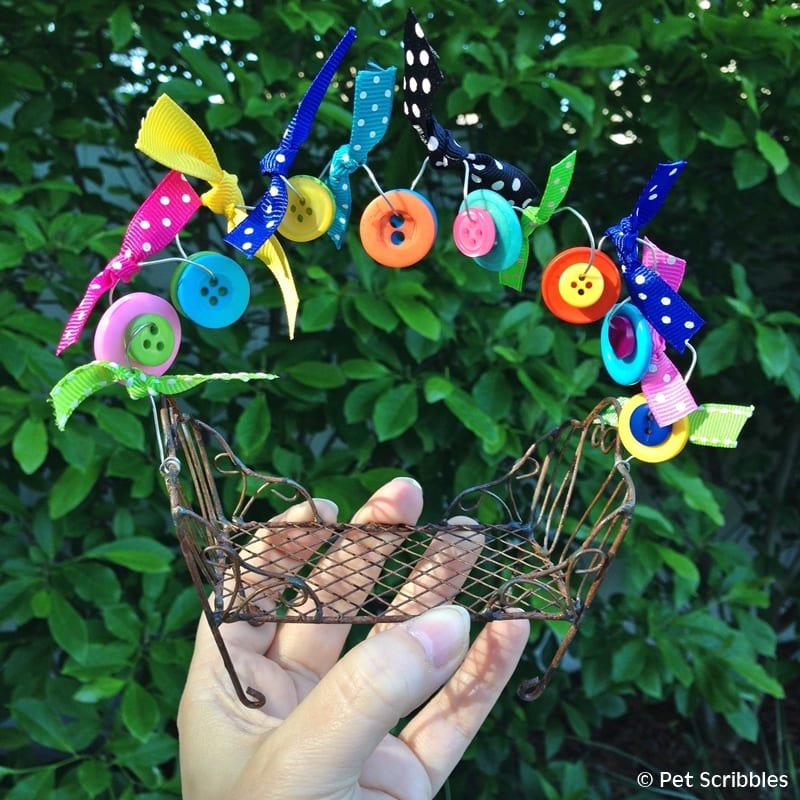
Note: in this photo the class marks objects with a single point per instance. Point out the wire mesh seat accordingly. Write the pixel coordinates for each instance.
(534, 543)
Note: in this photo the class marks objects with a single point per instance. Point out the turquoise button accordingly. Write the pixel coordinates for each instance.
(212, 290)
(508, 232)
(624, 363)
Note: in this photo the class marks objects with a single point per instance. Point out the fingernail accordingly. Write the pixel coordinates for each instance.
(443, 633)
(409, 480)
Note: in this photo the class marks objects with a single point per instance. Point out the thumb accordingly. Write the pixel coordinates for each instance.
(326, 740)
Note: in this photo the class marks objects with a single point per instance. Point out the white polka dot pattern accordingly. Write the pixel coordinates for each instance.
(154, 225)
(648, 289)
(372, 108)
(264, 219)
(421, 79)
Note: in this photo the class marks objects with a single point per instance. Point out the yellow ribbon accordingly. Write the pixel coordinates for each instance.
(172, 138)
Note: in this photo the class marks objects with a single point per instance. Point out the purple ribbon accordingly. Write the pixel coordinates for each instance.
(254, 230)
(661, 305)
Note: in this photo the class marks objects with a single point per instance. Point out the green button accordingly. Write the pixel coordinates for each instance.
(149, 340)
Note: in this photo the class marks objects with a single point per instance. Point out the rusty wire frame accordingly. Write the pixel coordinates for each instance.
(534, 543)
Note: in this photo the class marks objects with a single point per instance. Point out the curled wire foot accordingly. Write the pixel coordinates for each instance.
(542, 538)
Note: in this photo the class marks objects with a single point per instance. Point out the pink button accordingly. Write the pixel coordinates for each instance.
(112, 337)
(474, 232)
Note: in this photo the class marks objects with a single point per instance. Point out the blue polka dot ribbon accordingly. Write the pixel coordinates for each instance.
(421, 78)
(372, 109)
(661, 305)
(257, 227)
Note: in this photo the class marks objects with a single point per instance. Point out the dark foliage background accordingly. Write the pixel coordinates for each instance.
(689, 659)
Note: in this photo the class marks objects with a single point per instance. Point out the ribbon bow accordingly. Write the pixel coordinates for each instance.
(661, 305)
(558, 181)
(421, 78)
(87, 379)
(372, 108)
(258, 226)
(668, 396)
(158, 220)
(171, 137)
(712, 424)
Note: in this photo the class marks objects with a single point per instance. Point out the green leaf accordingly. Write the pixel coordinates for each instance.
(208, 70)
(773, 151)
(395, 412)
(136, 553)
(681, 565)
(41, 722)
(376, 311)
(140, 712)
(71, 488)
(694, 491)
(121, 425)
(721, 348)
(29, 446)
(319, 312)
(94, 776)
(221, 116)
(579, 100)
(629, 660)
(602, 55)
(253, 426)
(99, 689)
(477, 84)
(437, 388)
(775, 350)
(789, 185)
(757, 676)
(120, 23)
(474, 419)
(317, 374)
(749, 169)
(417, 316)
(40, 785)
(234, 26)
(68, 628)
(361, 369)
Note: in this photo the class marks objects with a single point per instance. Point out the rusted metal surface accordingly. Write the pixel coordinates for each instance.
(534, 543)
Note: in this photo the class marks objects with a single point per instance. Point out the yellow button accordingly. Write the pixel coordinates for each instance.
(310, 210)
(581, 287)
(652, 454)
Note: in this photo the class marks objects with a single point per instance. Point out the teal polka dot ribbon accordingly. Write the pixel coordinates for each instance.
(372, 109)
(558, 181)
(84, 381)
(259, 225)
(661, 305)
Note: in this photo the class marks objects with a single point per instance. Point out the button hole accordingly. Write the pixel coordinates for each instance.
(396, 221)
(398, 237)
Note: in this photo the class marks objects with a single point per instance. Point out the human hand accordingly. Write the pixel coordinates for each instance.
(324, 729)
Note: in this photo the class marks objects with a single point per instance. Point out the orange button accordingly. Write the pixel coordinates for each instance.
(578, 290)
(400, 234)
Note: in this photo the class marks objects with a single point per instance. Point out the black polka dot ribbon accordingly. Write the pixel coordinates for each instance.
(661, 305)
(421, 79)
(257, 227)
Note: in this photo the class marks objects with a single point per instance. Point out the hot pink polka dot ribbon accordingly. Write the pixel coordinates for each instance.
(668, 396)
(159, 219)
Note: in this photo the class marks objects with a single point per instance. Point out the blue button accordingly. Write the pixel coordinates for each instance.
(626, 344)
(645, 429)
(212, 290)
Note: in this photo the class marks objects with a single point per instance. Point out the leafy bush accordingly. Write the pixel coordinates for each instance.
(435, 371)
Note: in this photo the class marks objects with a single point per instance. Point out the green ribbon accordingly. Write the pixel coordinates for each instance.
(558, 182)
(89, 378)
(712, 424)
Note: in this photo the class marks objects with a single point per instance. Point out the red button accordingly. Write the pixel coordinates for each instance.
(567, 285)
